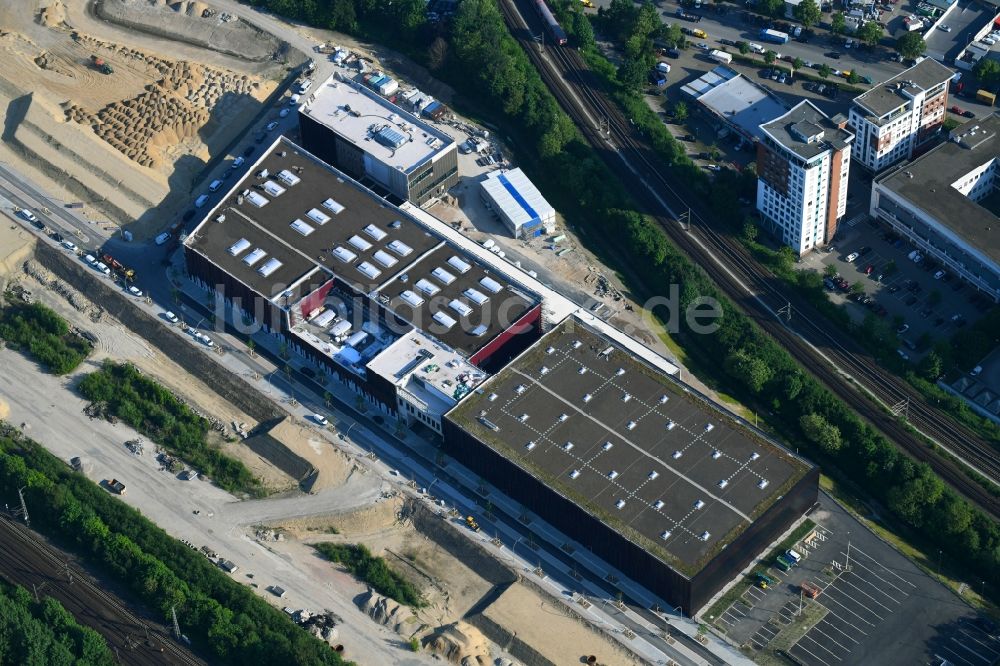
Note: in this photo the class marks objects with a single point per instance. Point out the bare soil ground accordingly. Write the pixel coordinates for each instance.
(128, 143)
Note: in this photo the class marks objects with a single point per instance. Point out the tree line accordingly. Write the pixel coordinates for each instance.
(373, 570)
(482, 62)
(223, 618)
(119, 390)
(44, 335)
(45, 633)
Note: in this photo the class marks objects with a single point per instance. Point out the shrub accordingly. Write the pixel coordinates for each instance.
(43, 334)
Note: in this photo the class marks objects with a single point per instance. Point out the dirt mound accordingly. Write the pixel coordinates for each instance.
(4, 410)
(331, 465)
(387, 612)
(53, 16)
(459, 643)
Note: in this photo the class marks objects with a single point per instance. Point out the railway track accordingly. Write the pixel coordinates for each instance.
(27, 560)
(841, 365)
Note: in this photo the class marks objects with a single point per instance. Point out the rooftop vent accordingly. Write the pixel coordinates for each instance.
(256, 255)
(567, 447)
(709, 427)
(238, 246)
(588, 397)
(699, 504)
(716, 454)
(620, 504)
(659, 504)
(723, 483)
(548, 350)
(492, 396)
(663, 399)
(544, 370)
(459, 264)
(670, 424)
(626, 397)
(612, 475)
(754, 456)
(333, 206)
(523, 417)
(582, 370)
(318, 216)
(631, 425)
(574, 474)
(563, 417)
(653, 475)
(344, 254)
(607, 446)
(577, 344)
(359, 243)
(301, 227)
(705, 536)
(400, 248)
(375, 232)
(677, 454)
(762, 484)
(665, 534)
(620, 372)
(529, 446)
(521, 388)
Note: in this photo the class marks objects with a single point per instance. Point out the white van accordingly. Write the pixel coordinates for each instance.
(305, 86)
(200, 201)
(214, 187)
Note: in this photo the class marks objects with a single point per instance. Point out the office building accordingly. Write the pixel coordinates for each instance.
(894, 118)
(803, 162)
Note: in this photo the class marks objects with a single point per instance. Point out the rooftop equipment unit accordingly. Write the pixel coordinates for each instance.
(375, 232)
(318, 216)
(459, 264)
(427, 287)
(273, 188)
(269, 267)
(256, 255)
(333, 206)
(288, 178)
(491, 285)
(359, 243)
(411, 299)
(443, 276)
(238, 246)
(301, 227)
(444, 320)
(400, 248)
(344, 254)
(369, 270)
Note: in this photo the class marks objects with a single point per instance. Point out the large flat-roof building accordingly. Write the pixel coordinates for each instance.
(518, 204)
(343, 275)
(651, 475)
(739, 103)
(946, 203)
(376, 142)
(895, 117)
(803, 163)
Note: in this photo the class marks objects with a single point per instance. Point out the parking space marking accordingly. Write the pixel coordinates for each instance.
(806, 650)
(874, 600)
(819, 645)
(986, 646)
(832, 639)
(957, 655)
(752, 591)
(887, 582)
(839, 630)
(969, 649)
(851, 612)
(855, 603)
(885, 568)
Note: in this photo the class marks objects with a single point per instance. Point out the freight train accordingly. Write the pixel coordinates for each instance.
(556, 32)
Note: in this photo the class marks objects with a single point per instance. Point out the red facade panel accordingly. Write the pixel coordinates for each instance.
(315, 299)
(522, 325)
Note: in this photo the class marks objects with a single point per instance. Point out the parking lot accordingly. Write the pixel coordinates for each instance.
(869, 596)
(915, 298)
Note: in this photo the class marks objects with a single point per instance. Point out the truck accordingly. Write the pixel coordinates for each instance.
(773, 36)
(684, 16)
(118, 267)
(986, 97)
(720, 56)
(756, 48)
(782, 563)
(471, 522)
(116, 486)
(784, 559)
(101, 65)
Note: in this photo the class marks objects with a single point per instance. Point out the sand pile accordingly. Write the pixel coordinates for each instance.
(53, 16)
(459, 643)
(4, 410)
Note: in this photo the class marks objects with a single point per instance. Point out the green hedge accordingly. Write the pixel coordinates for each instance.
(223, 618)
(119, 390)
(45, 633)
(37, 330)
(374, 571)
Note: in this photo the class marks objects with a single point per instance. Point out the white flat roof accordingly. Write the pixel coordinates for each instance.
(517, 197)
(359, 114)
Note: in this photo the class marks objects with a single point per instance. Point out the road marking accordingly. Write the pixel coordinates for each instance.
(973, 637)
(829, 598)
(810, 652)
(887, 569)
(874, 600)
(835, 627)
(969, 649)
(832, 639)
(957, 655)
(889, 583)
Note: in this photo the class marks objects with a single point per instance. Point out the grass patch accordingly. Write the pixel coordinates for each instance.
(120, 391)
(372, 570)
(45, 336)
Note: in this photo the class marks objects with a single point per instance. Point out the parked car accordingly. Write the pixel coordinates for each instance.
(939, 275)
(271, 125)
(903, 329)
(26, 214)
(944, 27)
(321, 420)
(171, 317)
(70, 246)
(833, 55)
(851, 257)
(135, 291)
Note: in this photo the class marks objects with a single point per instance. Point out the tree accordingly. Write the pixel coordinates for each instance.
(838, 25)
(821, 432)
(749, 369)
(798, 63)
(749, 231)
(771, 7)
(583, 31)
(437, 53)
(744, 48)
(987, 70)
(853, 77)
(770, 57)
(870, 33)
(930, 366)
(807, 13)
(824, 70)
(911, 45)
(830, 270)
(680, 112)
(857, 288)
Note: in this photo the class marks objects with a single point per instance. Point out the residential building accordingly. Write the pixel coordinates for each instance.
(518, 204)
(803, 163)
(739, 104)
(894, 118)
(387, 149)
(946, 202)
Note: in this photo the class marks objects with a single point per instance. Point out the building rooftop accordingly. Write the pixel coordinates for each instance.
(394, 136)
(928, 183)
(642, 452)
(428, 371)
(806, 131)
(897, 91)
(736, 98)
(517, 196)
(324, 223)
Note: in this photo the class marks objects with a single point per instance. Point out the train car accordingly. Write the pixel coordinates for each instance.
(556, 32)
